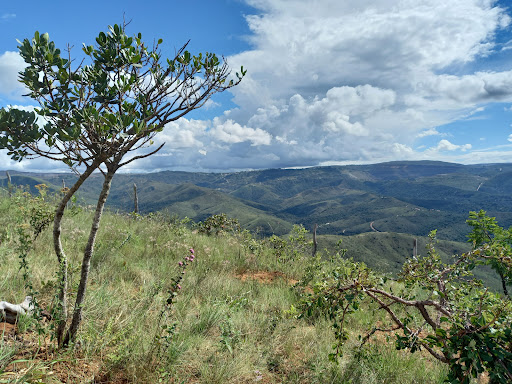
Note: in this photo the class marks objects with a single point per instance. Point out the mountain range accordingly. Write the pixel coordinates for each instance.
(403, 197)
(382, 203)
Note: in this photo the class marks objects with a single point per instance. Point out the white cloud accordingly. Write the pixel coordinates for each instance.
(182, 134)
(10, 64)
(210, 104)
(231, 132)
(307, 49)
(470, 89)
(509, 138)
(445, 145)
(430, 132)
(346, 81)
(363, 80)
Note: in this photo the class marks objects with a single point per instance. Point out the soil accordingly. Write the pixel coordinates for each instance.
(266, 277)
(37, 359)
(7, 330)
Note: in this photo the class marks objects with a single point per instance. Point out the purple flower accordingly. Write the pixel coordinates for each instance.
(191, 250)
(179, 286)
(180, 263)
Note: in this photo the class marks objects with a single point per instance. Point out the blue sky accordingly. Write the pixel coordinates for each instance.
(329, 81)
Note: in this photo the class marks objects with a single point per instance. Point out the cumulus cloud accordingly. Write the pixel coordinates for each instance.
(306, 49)
(310, 65)
(341, 81)
(430, 132)
(445, 145)
(10, 64)
(231, 132)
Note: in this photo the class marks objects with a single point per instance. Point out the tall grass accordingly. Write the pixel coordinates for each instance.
(230, 325)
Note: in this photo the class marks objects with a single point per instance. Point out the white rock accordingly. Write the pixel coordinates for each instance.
(10, 312)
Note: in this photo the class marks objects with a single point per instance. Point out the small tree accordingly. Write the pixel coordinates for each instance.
(438, 307)
(98, 111)
(499, 244)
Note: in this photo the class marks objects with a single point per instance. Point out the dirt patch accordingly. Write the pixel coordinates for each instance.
(7, 330)
(118, 378)
(37, 360)
(266, 277)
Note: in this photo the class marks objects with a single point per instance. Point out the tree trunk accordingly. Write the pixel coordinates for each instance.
(503, 284)
(9, 183)
(86, 261)
(62, 312)
(315, 244)
(135, 199)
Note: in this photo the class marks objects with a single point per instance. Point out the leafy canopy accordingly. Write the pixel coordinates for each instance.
(111, 103)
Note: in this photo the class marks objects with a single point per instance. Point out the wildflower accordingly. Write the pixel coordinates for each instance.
(180, 264)
(191, 250)
(179, 286)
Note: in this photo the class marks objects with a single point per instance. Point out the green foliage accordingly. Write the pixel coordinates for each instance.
(35, 213)
(229, 335)
(294, 247)
(441, 308)
(138, 260)
(114, 100)
(110, 104)
(219, 224)
(168, 328)
(331, 294)
(498, 245)
(6, 353)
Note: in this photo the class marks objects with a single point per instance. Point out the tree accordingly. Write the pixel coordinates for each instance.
(434, 306)
(98, 111)
(499, 240)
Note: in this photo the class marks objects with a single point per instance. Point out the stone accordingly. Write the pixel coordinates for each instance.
(9, 312)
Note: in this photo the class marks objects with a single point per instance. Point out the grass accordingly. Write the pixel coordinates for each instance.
(234, 318)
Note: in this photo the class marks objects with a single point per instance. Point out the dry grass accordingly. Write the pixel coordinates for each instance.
(234, 315)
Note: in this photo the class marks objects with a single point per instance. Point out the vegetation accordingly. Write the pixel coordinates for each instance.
(439, 308)
(171, 302)
(399, 197)
(98, 112)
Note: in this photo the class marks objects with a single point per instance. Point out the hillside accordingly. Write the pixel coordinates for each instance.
(401, 197)
(233, 320)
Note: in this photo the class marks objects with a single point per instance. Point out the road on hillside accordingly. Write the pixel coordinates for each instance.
(372, 227)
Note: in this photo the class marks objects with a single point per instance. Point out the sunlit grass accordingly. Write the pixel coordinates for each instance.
(231, 325)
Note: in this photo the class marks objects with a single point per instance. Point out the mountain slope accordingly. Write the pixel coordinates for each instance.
(404, 197)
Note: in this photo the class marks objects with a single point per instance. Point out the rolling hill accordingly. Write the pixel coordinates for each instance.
(395, 197)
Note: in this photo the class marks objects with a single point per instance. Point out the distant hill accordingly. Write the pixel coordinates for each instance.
(396, 197)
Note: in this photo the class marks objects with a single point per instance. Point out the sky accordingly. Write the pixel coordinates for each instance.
(328, 81)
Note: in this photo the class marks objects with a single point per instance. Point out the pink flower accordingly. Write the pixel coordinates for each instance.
(179, 286)
(191, 250)
(180, 263)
